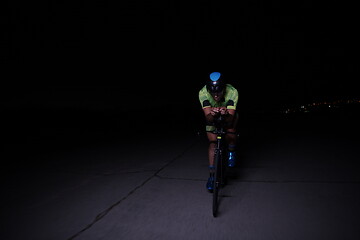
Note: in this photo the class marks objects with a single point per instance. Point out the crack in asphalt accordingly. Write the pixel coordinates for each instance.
(156, 174)
(178, 178)
(106, 211)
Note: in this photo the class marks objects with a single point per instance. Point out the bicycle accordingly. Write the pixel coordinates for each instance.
(219, 163)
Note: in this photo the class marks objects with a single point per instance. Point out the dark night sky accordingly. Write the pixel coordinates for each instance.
(97, 52)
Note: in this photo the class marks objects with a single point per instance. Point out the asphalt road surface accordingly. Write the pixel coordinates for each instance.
(297, 179)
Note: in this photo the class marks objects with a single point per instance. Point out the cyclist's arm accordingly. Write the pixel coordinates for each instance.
(230, 116)
(210, 113)
(231, 108)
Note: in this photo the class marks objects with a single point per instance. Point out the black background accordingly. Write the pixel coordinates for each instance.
(153, 56)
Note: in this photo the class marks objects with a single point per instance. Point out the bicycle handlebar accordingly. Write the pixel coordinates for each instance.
(220, 124)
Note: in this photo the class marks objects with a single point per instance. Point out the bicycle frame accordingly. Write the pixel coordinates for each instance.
(219, 167)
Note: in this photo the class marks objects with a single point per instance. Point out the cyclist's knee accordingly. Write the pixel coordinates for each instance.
(231, 135)
(212, 144)
(231, 130)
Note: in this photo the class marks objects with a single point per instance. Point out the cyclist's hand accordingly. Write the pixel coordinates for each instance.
(223, 110)
(215, 111)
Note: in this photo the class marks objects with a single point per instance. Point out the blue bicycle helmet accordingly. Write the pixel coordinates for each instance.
(216, 82)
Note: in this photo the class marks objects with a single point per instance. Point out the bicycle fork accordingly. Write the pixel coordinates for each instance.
(219, 162)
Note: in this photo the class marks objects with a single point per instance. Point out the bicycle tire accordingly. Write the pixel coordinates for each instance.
(217, 183)
(223, 170)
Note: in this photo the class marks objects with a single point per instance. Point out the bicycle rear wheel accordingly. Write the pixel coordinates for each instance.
(217, 183)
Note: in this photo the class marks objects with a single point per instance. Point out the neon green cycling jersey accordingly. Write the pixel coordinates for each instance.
(229, 100)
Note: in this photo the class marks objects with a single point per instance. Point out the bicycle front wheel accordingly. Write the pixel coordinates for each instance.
(217, 183)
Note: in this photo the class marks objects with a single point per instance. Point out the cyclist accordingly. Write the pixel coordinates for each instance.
(219, 98)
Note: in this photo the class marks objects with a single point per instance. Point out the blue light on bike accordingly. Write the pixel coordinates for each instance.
(215, 76)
